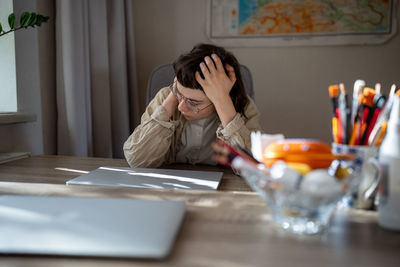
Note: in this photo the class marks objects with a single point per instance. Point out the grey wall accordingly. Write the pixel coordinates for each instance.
(291, 83)
(47, 66)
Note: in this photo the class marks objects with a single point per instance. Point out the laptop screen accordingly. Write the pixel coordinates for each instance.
(151, 178)
(110, 227)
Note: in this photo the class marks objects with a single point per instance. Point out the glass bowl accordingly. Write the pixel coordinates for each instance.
(302, 204)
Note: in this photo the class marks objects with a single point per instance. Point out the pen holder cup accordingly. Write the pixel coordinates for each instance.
(301, 204)
(362, 191)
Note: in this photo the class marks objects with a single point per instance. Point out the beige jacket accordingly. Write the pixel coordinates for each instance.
(158, 138)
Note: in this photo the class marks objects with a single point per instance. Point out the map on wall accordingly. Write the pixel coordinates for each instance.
(301, 22)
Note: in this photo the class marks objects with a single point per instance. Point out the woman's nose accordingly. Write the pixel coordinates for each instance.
(182, 106)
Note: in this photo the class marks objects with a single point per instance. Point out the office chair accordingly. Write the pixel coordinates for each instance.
(163, 76)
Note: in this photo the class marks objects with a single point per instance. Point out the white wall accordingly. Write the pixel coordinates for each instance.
(291, 83)
(8, 95)
(25, 136)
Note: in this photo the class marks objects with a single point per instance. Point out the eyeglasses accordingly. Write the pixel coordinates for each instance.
(193, 107)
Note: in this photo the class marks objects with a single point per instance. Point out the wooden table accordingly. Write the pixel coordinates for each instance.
(59, 169)
(221, 228)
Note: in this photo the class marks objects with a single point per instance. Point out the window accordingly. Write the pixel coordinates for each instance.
(8, 84)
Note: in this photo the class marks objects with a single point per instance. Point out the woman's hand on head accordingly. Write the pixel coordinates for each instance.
(216, 83)
(170, 104)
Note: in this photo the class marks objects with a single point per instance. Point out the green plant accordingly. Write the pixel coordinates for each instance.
(26, 20)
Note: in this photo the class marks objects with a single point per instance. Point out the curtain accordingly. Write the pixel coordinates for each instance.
(97, 98)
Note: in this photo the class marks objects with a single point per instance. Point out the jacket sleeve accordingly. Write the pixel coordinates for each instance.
(237, 132)
(150, 142)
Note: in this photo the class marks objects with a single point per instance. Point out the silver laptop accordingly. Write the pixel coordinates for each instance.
(150, 178)
(111, 227)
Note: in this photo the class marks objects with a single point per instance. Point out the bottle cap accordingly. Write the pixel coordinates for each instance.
(394, 119)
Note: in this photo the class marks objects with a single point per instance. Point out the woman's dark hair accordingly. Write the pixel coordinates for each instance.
(186, 65)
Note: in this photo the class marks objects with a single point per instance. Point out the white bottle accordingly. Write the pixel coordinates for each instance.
(389, 159)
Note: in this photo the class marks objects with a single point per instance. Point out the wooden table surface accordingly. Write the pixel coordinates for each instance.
(58, 169)
(222, 228)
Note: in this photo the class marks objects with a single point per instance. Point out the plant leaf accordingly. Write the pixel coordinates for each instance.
(11, 21)
(40, 19)
(24, 19)
(32, 19)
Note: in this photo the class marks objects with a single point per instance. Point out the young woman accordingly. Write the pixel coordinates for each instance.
(207, 100)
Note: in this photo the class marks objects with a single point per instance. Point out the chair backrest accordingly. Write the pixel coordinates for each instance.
(163, 76)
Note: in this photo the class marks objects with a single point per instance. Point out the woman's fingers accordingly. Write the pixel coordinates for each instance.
(200, 80)
(217, 147)
(218, 62)
(229, 67)
(218, 80)
(205, 70)
(210, 64)
(220, 159)
(231, 73)
(221, 154)
(220, 148)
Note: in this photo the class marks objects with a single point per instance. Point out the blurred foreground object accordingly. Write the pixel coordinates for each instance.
(314, 153)
(389, 165)
(301, 199)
